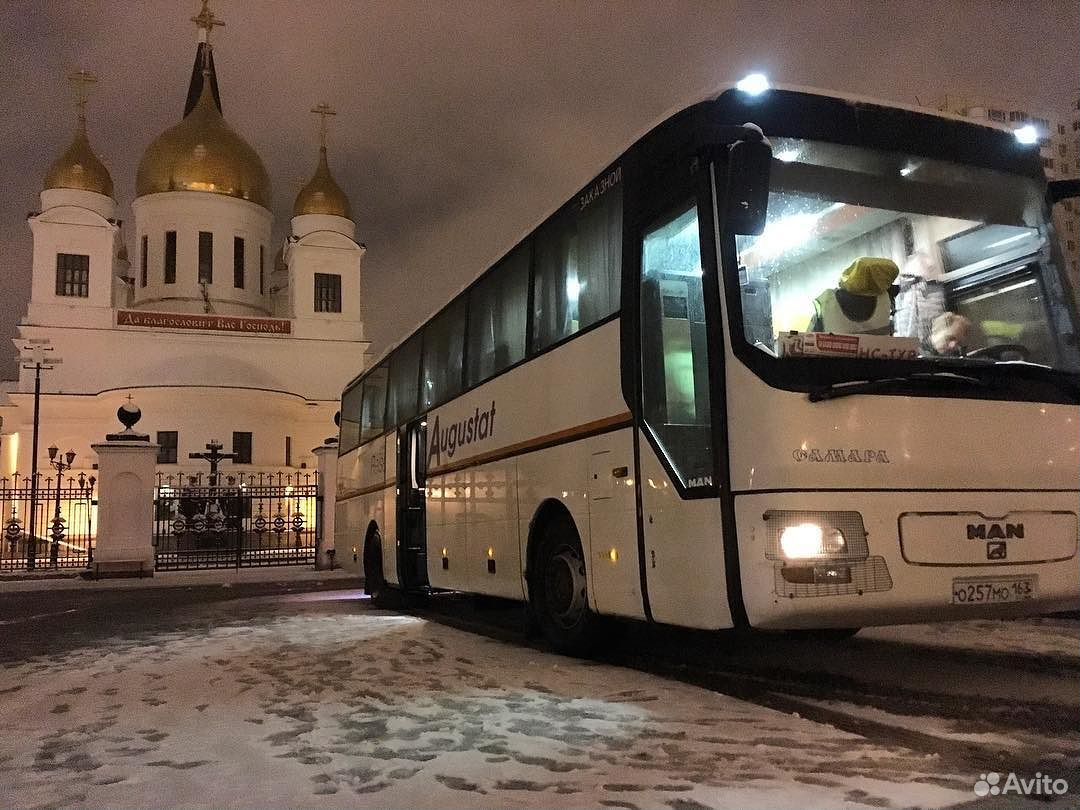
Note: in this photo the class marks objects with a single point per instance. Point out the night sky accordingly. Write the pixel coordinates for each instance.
(463, 124)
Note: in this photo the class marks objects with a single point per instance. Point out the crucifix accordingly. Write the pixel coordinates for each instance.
(206, 20)
(323, 110)
(81, 81)
(214, 455)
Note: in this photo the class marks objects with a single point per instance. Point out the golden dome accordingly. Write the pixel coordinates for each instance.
(322, 195)
(203, 153)
(80, 168)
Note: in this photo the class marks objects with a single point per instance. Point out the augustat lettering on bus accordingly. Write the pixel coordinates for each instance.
(600, 187)
(459, 434)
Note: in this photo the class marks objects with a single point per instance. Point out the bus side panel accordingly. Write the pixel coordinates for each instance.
(361, 476)
(616, 574)
(446, 529)
(557, 473)
(348, 512)
(493, 552)
(388, 523)
(684, 548)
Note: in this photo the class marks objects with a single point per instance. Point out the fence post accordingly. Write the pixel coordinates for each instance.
(126, 478)
(327, 489)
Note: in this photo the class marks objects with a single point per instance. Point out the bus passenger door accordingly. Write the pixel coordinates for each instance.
(683, 551)
(411, 494)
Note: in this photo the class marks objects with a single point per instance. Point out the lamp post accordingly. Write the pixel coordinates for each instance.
(58, 522)
(38, 361)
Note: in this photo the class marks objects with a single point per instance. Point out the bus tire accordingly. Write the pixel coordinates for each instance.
(375, 584)
(558, 598)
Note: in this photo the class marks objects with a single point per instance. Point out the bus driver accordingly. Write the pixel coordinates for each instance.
(862, 303)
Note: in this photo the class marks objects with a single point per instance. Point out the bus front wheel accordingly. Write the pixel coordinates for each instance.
(557, 589)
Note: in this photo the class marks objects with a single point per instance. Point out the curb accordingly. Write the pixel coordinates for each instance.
(182, 579)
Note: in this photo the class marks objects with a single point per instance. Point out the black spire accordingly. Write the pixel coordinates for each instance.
(204, 54)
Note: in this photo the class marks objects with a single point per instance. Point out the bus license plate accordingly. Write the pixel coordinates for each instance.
(991, 591)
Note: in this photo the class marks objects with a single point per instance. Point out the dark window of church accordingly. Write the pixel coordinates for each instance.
(238, 262)
(288, 451)
(168, 441)
(170, 257)
(241, 445)
(262, 264)
(72, 275)
(206, 257)
(143, 256)
(327, 292)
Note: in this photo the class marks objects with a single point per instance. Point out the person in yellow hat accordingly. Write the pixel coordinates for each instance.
(862, 303)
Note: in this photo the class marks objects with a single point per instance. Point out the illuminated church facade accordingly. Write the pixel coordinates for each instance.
(192, 314)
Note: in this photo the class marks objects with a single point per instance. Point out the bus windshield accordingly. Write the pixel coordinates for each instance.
(919, 258)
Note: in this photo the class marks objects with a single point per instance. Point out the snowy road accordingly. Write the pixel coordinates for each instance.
(320, 700)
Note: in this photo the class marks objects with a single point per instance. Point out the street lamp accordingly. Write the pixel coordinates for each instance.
(38, 361)
(58, 522)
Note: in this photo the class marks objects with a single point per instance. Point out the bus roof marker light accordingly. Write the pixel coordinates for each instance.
(1026, 134)
(754, 84)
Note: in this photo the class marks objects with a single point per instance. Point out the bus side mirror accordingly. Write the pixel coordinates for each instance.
(1058, 190)
(746, 192)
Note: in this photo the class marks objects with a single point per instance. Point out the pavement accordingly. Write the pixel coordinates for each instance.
(300, 693)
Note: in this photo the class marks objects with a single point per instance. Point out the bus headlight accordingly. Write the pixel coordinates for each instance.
(809, 541)
(795, 536)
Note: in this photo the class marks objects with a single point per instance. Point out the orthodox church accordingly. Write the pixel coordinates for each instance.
(200, 322)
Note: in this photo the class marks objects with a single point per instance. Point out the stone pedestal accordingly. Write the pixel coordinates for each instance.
(125, 535)
(327, 456)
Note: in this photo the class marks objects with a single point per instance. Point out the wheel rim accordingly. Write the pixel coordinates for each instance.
(564, 587)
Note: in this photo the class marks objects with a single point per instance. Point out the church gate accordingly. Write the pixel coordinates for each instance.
(63, 530)
(240, 520)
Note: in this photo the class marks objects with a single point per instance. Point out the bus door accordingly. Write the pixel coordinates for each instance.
(680, 406)
(411, 493)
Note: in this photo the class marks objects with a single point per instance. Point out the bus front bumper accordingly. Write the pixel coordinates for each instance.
(928, 556)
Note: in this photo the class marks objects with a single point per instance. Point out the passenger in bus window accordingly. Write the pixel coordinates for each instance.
(862, 303)
(921, 298)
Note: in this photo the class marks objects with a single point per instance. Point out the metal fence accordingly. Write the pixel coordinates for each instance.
(236, 520)
(62, 535)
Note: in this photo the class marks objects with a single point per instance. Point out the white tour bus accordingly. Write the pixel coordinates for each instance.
(820, 379)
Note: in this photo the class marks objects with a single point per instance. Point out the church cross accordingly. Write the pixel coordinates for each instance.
(81, 81)
(323, 110)
(214, 455)
(206, 20)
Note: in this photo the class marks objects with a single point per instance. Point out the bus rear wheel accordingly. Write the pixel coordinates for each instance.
(558, 590)
(374, 580)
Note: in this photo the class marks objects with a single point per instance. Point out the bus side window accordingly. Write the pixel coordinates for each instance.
(401, 402)
(350, 418)
(578, 258)
(674, 345)
(498, 308)
(374, 404)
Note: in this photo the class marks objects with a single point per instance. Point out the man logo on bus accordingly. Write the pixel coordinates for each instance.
(447, 440)
(995, 531)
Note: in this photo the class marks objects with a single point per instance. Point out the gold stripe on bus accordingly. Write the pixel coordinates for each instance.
(584, 431)
(356, 493)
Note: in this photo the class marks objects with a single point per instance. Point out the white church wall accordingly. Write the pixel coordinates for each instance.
(198, 414)
(77, 230)
(187, 213)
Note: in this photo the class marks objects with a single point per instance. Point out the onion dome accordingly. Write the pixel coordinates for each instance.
(322, 195)
(203, 153)
(78, 167)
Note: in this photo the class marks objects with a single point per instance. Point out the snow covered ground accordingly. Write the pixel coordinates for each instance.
(317, 701)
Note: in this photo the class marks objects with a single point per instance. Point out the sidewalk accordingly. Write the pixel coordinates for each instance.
(225, 577)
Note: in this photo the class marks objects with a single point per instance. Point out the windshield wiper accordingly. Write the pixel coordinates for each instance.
(905, 381)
